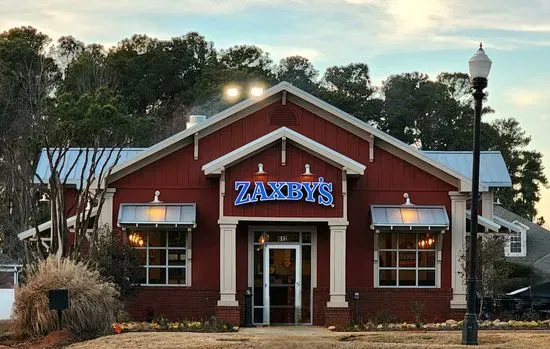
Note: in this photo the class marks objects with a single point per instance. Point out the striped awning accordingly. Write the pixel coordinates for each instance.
(409, 217)
(157, 215)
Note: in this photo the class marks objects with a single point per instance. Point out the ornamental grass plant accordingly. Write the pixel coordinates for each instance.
(93, 303)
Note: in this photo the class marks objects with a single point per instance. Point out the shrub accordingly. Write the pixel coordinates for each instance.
(383, 317)
(116, 261)
(92, 302)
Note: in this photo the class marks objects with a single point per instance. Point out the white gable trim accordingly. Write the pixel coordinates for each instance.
(485, 222)
(512, 226)
(352, 167)
(272, 94)
(29, 233)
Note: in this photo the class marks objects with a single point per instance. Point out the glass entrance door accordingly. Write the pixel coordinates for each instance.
(282, 284)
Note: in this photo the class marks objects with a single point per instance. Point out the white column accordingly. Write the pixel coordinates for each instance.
(458, 234)
(337, 267)
(487, 204)
(228, 265)
(106, 214)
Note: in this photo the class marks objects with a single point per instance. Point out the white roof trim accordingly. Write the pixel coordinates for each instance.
(485, 222)
(216, 166)
(509, 225)
(29, 233)
(513, 293)
(465, 183)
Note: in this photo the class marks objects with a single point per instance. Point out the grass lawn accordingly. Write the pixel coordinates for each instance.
(317, 338)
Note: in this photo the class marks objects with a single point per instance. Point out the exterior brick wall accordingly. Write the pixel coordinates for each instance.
(320, 299)
(434, 303)
(230, 314)
(175, 303)
(337, 316)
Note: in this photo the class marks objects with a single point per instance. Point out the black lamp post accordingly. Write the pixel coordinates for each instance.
(480, 66)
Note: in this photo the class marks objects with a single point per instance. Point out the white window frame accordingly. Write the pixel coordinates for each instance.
(436, 249)
(166, 248)
(522, 234)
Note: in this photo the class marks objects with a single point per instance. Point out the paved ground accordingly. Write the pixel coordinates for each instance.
(315, 337)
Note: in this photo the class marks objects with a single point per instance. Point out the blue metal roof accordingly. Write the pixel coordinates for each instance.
(493, 171)
(492, 168)
(77, 157)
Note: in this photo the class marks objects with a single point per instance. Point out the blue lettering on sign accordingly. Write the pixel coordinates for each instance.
(320, 192)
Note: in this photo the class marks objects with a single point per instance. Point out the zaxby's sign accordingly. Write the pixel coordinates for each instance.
(319, 192)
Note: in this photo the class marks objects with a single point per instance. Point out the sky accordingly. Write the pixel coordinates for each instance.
(391, 36)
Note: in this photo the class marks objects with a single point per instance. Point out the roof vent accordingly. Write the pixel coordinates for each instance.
(194, 120)
(284, 116)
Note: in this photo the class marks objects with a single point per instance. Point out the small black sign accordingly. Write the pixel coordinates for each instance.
(59, 299)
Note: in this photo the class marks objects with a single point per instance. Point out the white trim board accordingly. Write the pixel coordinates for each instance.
(47, 225)
(325, 153)
(272, 94)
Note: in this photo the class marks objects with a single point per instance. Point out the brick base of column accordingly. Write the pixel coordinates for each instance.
(338, 317)
(229, 314)
(457, 314)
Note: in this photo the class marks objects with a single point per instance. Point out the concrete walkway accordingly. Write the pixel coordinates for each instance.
(285, 330)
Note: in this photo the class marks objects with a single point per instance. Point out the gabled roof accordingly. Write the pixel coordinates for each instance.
(538, 241)
(352, 167)
(492, 168)
(274, 93)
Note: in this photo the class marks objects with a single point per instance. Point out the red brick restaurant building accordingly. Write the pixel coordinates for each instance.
(312, 210)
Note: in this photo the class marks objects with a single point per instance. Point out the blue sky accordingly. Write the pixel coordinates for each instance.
(392, 36)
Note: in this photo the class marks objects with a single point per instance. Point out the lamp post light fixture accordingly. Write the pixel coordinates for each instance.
(480, 66)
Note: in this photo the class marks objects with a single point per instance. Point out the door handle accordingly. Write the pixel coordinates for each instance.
(298, 284)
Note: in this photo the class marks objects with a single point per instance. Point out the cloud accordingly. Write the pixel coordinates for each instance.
(328, 26)
(279, 52)
(525, 97)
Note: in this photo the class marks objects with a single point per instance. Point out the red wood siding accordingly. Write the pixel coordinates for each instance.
(180, 179)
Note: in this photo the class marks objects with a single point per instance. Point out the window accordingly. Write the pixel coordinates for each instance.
(406, 260)
(517, 242)
(164, 256)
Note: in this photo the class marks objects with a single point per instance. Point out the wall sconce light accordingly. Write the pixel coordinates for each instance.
(407, 199)
(307, 176)
(44, 198)
(262, 240)
(260, 175)
(156, 199)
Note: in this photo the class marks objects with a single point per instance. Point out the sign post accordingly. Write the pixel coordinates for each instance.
(59, 300)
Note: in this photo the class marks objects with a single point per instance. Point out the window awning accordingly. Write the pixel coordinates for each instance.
(409, 217)
(157, 215)
(485, 222)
